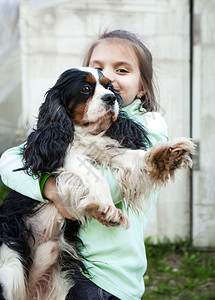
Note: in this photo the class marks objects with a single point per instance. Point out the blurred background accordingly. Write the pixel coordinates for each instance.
(41, 38)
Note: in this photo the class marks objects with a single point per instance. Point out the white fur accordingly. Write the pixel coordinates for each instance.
(12, 275)
(80, 183)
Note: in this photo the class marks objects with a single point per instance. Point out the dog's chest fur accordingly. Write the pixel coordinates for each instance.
(95, 148)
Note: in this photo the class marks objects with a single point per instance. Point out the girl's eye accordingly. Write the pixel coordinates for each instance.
(98, 68)
(122, 71)
(86, 89)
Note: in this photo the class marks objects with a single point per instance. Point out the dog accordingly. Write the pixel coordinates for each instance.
(80, 127)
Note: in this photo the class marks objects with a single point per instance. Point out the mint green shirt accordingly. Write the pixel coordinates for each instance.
(116, 257)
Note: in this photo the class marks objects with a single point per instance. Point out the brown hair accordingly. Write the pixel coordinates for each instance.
(144, 59)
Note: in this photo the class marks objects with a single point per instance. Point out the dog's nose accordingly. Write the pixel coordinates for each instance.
(109, 99)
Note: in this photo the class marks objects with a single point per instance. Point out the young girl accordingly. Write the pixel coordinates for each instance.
(115, 258)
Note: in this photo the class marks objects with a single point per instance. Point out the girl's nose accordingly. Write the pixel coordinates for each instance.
(109, 74)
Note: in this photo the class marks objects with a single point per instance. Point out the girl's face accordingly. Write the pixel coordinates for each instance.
(118, 62)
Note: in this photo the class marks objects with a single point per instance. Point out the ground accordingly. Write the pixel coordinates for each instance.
(178, 271)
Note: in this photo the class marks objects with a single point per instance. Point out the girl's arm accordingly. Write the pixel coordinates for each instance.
(25, 184)
(30, 187)
(50, 192)
(19, 180)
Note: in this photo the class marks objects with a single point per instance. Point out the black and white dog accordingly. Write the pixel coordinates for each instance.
(80, 130)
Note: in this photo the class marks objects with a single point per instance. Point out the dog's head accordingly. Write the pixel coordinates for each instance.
(87, 97)
(82, 99)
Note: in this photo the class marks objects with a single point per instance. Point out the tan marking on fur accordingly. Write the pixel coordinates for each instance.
(114, 118)
(90, 78)
(90, 208)
(70, 105)
(78, 115)
(104, 81)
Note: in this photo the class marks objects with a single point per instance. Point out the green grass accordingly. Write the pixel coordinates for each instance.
(3, 191)
(177, 271)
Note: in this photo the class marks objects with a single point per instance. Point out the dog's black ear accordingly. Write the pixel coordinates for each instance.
(46, 146)
(129, 133)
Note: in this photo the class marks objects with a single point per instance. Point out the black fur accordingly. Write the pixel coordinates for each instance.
(13, 230)
(68, 263)
(15, 209)
(46, 146)
(1, 293)
(128, 133)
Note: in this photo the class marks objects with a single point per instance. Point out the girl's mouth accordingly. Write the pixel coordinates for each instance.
(116, 91)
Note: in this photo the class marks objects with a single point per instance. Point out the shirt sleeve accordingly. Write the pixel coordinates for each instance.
(156, 126)
(110, 176)
(18, 180)
(24, 184)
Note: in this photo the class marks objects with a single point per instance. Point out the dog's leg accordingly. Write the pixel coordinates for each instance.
(42, 270)
(85, 193)
(12, 274)
(47, 227)
(140, 173)
(165, 158)
(44, 257)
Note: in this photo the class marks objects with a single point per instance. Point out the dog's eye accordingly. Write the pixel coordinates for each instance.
(86, 89)
(110, 88)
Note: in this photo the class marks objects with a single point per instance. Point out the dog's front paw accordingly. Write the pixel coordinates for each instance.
(108, 215)
(165, 158)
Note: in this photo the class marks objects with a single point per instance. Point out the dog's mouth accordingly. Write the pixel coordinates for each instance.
(102, 122)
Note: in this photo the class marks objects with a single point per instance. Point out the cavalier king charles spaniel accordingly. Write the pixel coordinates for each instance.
(80, 131)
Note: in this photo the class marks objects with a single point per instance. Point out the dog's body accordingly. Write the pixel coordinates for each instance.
(80, 127)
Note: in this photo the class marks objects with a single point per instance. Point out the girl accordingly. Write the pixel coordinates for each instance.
(115, 258)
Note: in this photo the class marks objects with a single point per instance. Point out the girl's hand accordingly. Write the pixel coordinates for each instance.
(50, 192)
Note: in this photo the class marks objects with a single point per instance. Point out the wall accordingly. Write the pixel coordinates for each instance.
(10, 74)
(204, 123)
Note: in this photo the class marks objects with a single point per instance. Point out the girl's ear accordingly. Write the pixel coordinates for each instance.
(46, 146)
(141, 93)
(128, 133)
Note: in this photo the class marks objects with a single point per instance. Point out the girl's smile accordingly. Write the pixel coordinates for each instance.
(118, 62)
